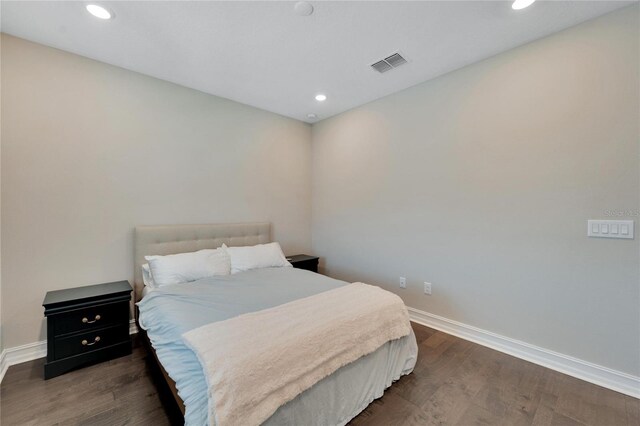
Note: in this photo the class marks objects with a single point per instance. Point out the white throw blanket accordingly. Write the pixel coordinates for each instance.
(257, 362)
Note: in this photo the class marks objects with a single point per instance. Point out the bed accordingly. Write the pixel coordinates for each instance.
(166, 314)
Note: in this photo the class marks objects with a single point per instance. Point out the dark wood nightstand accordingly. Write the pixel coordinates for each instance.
(86, 325)
(303, 261)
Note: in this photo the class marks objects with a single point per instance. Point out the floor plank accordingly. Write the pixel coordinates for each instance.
(455, 382)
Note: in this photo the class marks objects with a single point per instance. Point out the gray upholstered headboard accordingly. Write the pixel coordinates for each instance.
(172, 239)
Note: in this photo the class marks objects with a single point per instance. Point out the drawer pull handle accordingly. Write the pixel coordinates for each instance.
(96, 340)
(86, 320)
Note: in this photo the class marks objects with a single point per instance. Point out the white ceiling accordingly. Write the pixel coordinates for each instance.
(263, 54)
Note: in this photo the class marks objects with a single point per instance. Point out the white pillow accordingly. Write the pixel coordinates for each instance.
(187, 267)
(147, 279)
(253, 257)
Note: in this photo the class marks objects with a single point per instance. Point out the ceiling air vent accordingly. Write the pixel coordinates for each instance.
(381, 66)
(389, 63)
(395, 60)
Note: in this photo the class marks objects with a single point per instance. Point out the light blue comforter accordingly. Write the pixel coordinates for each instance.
(169, 312)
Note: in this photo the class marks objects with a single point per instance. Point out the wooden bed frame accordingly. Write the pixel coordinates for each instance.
(172, 239)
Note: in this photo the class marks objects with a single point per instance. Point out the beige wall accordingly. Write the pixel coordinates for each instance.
(90, 150)
(1, 343)
(482, 181)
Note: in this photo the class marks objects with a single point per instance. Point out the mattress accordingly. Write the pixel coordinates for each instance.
(168, 312)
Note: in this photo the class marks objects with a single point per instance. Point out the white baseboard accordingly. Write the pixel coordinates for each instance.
(31, 351)
(133, 328)
(20, 354)
(3, 365)
(587, 371)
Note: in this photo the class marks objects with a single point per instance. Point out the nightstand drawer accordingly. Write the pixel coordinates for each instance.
(90, 318)
(80, 343)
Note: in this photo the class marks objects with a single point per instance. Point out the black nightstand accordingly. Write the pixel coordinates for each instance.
(86, 325)
(303, 261)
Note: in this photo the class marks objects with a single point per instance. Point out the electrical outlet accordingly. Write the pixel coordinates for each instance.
(427, 288)
(403, 282)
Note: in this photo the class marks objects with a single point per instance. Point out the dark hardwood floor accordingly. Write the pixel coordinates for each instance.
(454, 383)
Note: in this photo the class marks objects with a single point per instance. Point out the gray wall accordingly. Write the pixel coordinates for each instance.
(90, 150)
(481, 182)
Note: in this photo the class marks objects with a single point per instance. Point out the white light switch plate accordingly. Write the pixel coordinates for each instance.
(610, 229)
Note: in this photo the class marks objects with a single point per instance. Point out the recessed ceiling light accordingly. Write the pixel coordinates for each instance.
(521, 4)
(320, 97)
(303, 8)
(99, 11)
(312, 116)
